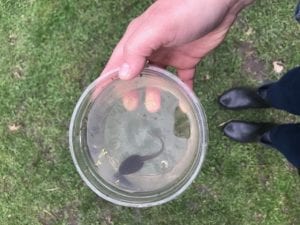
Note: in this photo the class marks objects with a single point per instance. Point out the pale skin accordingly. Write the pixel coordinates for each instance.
(176, 33)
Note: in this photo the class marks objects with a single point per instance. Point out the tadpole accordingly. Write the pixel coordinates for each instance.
(135, 162)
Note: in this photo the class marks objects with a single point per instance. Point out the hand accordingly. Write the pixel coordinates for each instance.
(175, 33)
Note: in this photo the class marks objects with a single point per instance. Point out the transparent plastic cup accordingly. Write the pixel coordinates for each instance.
(133, 156)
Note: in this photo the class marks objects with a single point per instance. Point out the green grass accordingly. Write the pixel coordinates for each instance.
(52, 49)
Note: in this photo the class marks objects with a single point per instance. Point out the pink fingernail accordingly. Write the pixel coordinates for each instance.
(124, 71)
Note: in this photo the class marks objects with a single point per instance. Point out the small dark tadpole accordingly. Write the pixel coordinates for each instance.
(135, 162)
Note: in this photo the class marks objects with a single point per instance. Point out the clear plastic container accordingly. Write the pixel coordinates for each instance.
(141, 142)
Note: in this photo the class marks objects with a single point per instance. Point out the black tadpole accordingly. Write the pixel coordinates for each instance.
(135, 162)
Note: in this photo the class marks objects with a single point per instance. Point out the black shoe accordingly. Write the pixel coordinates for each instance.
(244, 98)
(247, 132)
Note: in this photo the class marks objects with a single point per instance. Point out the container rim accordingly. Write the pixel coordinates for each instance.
(202, 126)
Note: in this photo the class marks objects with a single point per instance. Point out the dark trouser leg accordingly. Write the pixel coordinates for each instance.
(297, 12)
(286, 139)
(285, 93)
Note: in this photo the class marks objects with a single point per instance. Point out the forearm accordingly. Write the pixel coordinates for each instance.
(234, 7)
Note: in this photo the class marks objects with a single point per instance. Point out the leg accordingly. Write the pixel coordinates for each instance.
(286, 139)
(297, 12)
(285, 93)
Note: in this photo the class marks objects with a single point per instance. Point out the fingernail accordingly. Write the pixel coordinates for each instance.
(124, 71)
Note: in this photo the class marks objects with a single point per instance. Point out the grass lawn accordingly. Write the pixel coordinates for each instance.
(52, 49)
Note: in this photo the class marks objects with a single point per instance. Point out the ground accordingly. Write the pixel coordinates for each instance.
(52, 49)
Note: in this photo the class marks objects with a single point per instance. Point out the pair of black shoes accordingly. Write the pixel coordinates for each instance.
(245, 98)
(246, 132)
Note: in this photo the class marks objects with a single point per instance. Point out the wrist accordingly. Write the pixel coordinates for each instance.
(242, 2)
(235, 6)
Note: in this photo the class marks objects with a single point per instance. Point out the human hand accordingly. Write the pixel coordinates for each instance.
(177, 33)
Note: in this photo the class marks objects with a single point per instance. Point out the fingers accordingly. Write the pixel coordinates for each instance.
(142, 37)
(140, 40)
(187, 76)
(139, 46)
(152, 99)
(131, 100)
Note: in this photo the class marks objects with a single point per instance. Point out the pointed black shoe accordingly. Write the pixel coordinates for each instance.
(244, 98)
(246, 132)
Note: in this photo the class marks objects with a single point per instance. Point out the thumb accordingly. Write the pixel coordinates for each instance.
(138, 48)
